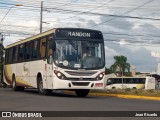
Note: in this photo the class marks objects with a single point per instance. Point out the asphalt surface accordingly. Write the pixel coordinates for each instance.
(30, 100)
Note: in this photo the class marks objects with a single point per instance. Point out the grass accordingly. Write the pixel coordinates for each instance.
(128, 91)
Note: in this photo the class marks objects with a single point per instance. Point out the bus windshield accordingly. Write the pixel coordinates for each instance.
(79, 54)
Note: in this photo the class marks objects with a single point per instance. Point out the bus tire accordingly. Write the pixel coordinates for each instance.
(21, 88)
(40, 88)
(82, 92)
(14, 86)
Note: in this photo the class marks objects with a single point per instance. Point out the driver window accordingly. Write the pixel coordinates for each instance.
(50, 45)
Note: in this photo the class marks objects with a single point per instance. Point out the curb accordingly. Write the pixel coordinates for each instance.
(121, 96)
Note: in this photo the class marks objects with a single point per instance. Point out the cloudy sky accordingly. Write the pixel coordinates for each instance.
(130, 27)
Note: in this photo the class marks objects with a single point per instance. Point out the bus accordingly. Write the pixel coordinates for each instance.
(131, 82)
(58, 59)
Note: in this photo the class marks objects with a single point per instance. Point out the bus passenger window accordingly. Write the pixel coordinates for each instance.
(20, 52)
(43, 47)
(34, 46)
(10, 55)
(15, 54)
(109, 82)
(27, 51)
(6, 56)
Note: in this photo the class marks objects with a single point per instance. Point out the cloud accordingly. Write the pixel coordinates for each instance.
(109, 54)
(155, 54)
(123, 42)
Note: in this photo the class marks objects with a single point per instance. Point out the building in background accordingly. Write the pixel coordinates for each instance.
(158, 69)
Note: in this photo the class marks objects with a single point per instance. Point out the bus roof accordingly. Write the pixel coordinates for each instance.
(43, 34)
(31, 38)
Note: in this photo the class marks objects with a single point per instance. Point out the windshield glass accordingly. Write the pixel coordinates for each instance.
(79, 54)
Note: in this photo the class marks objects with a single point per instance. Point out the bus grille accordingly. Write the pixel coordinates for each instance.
(80, 83)
(80, 79)
(81, 73)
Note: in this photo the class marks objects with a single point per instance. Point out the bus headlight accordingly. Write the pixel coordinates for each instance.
(100, 76)
(60, 75)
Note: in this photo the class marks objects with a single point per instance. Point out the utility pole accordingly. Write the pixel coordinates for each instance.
(1, 59)
(41, 16)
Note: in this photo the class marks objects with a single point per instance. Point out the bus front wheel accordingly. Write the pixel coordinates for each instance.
(82, 92)
(41, 90)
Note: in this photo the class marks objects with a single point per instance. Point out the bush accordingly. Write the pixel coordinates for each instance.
(151, 91)
(127, 90)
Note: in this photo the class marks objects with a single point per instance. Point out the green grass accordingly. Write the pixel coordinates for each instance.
(127, 91)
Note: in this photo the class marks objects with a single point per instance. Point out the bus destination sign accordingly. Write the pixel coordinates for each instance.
(78, 33)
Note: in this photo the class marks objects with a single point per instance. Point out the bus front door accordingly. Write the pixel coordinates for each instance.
(49, 73)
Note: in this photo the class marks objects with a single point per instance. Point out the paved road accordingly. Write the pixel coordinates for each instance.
(30, 100)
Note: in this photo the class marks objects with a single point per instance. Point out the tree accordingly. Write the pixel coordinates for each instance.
(120, 65)
(108, 71)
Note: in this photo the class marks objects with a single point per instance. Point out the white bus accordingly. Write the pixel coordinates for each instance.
(131, 82)
(58, 59)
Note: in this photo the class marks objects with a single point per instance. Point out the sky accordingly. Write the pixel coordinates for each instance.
(130, 27)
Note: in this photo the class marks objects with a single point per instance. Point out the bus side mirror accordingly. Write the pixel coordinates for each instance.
(50, 59)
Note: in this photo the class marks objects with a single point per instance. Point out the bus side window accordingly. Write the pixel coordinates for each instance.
(119, 80)
(10, 57)
(34, 47)
(143, 80)
(131, 81)
(43, 47)
(125, 80)
(6, 56)
(27, 50)
(109, 82)
(20, 52)
(15, 54)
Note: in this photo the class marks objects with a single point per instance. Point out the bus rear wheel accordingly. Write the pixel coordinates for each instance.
(14, 85)
(82, 92)
(41, 90)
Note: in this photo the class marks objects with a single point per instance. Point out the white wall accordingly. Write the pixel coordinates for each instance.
(158, 69)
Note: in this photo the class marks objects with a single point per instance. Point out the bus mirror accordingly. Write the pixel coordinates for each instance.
(50, 60)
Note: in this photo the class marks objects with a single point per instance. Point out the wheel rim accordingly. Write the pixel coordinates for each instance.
(14, 83)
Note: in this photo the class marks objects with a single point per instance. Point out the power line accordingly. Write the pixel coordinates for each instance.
(124, 13)
(131, 44)
(148, 35)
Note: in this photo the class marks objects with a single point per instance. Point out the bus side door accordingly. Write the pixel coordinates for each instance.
(49, 66)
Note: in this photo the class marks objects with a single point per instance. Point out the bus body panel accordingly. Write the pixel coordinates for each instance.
(31, 81)
(39, 68)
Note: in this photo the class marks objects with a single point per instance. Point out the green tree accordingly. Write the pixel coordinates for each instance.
(120, 65)
(108, 71)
